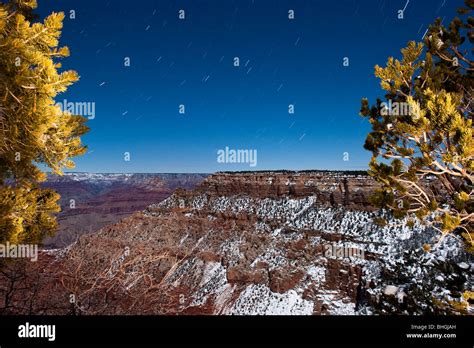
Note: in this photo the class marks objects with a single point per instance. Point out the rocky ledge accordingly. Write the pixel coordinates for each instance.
(256, 243)
(349, 189)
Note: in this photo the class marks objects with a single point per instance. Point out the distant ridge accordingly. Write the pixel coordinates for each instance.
(306, 171)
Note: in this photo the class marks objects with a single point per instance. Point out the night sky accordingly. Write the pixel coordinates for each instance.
(191, 62)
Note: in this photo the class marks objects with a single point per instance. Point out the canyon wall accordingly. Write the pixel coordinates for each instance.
(266, 243)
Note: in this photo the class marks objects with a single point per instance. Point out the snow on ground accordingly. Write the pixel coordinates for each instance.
(260, 300)
(293, 217)
(317, 274)
(213, 283)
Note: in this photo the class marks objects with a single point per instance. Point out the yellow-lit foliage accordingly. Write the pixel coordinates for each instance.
(33, 129)
(424, 159)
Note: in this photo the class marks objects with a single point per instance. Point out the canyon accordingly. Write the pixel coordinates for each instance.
(90, 201)
(253, 243)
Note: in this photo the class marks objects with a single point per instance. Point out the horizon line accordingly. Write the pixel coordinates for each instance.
(220, 171)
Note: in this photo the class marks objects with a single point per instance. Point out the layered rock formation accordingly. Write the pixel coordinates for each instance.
(348, 189)
(92, 201)
(254, 243)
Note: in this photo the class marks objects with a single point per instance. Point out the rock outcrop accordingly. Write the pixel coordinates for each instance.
(348, 189)
(253, 243)
(92, 201)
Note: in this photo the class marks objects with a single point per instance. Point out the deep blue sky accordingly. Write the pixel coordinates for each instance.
(191, 62)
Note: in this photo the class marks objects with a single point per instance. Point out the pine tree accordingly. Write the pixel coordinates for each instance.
(33, 129)
(422, 132)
